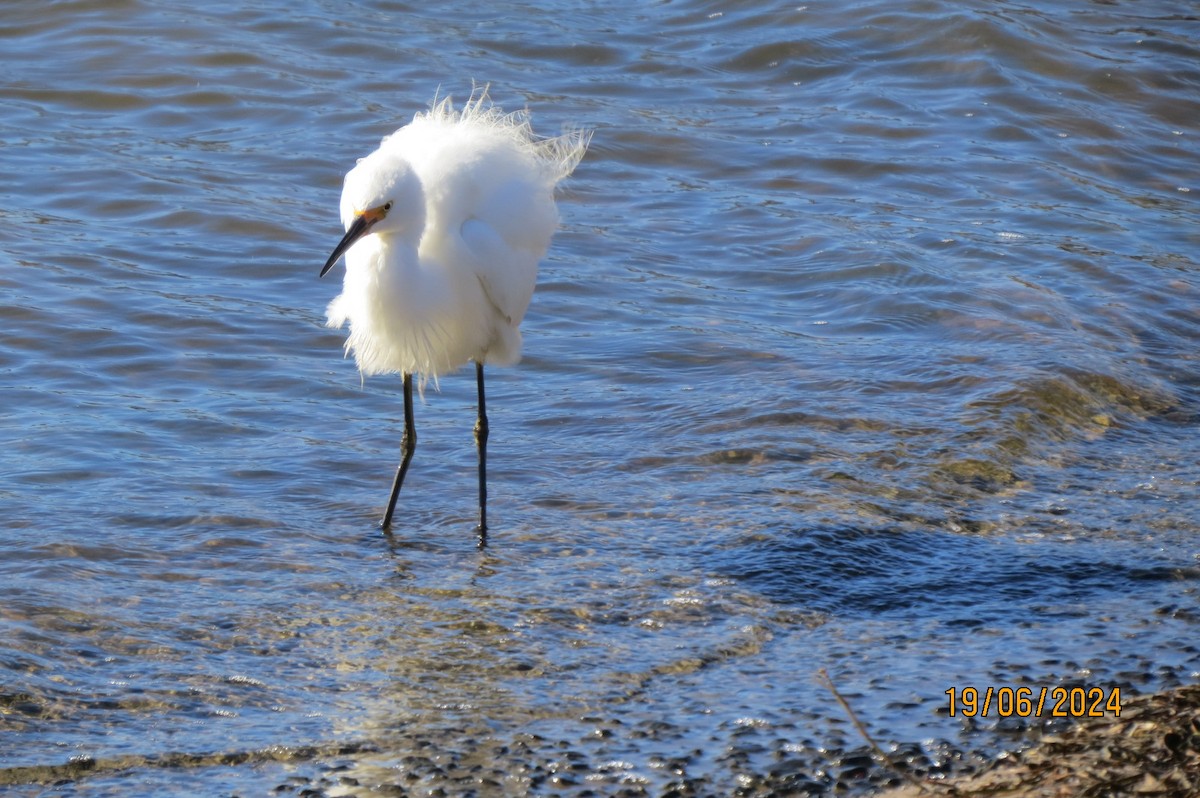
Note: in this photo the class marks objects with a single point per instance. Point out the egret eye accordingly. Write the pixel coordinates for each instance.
(387, 206)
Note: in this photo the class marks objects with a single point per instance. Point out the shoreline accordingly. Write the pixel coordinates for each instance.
(1152, 750)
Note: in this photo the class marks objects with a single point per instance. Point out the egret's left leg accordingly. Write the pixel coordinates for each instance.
(408, 444)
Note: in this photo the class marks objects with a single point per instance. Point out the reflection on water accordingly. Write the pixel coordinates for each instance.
(867, 345)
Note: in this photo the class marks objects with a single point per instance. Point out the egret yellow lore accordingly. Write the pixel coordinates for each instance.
(445, 224)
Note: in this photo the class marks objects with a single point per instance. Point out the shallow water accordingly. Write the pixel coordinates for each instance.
(868, 344)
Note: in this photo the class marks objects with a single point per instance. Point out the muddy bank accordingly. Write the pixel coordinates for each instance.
(1151, 750)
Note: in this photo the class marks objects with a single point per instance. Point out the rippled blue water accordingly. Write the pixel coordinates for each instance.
(868, 344)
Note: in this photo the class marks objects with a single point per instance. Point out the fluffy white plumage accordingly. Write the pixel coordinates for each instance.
(450, 217)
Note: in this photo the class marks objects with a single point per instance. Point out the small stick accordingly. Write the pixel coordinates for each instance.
(823, 676)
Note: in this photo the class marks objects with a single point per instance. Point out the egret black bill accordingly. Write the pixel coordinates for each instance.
(358, 228)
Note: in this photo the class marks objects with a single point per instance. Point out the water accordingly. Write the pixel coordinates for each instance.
(868, 344)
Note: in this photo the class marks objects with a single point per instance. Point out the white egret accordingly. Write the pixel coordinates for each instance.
(445, 224)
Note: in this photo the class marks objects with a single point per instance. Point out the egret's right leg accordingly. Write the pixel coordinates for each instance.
(408, 445)
(481, 437)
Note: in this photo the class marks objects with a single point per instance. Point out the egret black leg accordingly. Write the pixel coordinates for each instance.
(408, 445)
(481, 436)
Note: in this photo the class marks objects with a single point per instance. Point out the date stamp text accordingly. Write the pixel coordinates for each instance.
(1029, 702)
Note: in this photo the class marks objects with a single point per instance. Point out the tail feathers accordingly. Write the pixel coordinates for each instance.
(565, 151)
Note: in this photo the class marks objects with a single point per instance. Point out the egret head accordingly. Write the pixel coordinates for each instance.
(382, 194)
